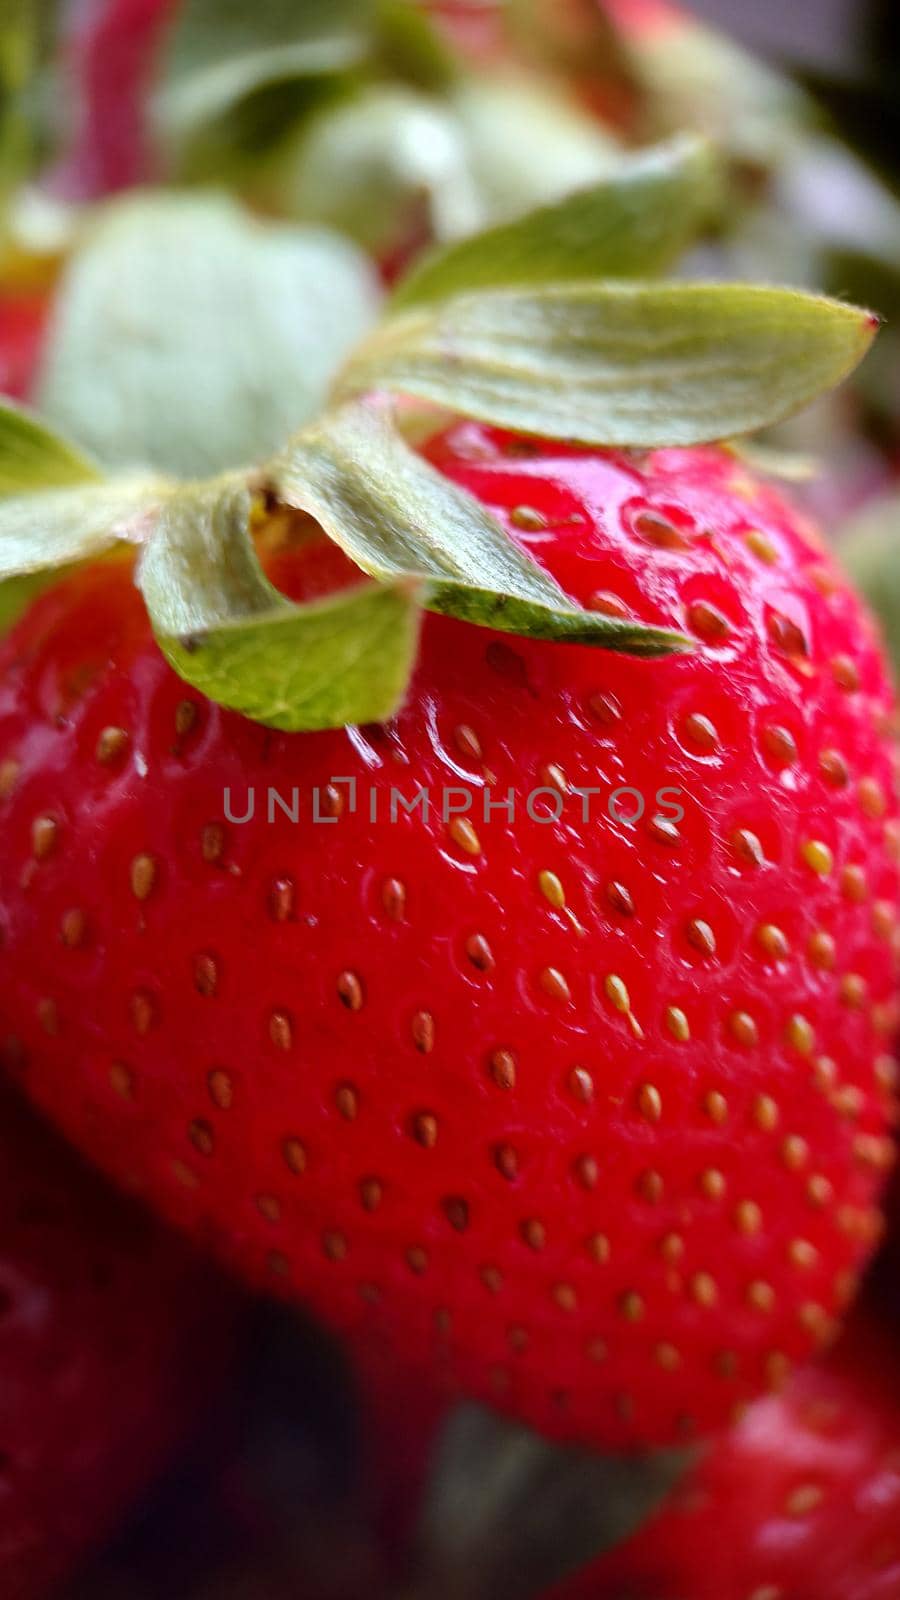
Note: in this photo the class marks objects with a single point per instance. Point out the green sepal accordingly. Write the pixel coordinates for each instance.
(34, 457)
(617, 363)
(53, 528)
(608, 363)
(192, 336)
(226, 630)
(402, 522)
(632, 223)
(56, 508)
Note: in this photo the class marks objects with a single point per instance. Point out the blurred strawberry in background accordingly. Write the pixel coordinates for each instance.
(801, 1499)
(113, 1338)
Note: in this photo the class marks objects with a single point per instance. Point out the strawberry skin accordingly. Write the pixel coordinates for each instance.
(111, 1336)
(588, 1116)
(801, 1499)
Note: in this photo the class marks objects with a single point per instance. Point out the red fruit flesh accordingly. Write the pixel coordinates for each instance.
(111, 1336)
(800, 1501)
(588, 1117)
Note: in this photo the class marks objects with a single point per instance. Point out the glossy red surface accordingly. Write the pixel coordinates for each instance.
(563, 1111)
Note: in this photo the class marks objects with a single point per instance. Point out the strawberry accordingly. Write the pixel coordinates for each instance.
(111, 1335)
(587, 1110)
(801, 1498)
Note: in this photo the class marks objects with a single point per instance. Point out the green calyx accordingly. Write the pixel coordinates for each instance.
(57, 509)
(544, 326)
(227, 630)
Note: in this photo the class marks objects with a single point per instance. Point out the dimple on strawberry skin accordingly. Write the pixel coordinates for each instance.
(592, 1121)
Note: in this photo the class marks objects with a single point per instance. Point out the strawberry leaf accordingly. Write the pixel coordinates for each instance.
(55, 527)
(222, 50)
(617, 363)
(225, 629)
(56, 508)
(215, 334)
(33, 457)
(55, 505)
(401, 521)
(631, 223)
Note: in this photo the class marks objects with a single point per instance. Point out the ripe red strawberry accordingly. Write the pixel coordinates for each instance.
(801, 1499)
(111, 1336)
(589, 1115)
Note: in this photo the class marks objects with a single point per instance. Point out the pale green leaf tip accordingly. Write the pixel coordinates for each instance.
(703, 361)
(34, 456)
(678, 185)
